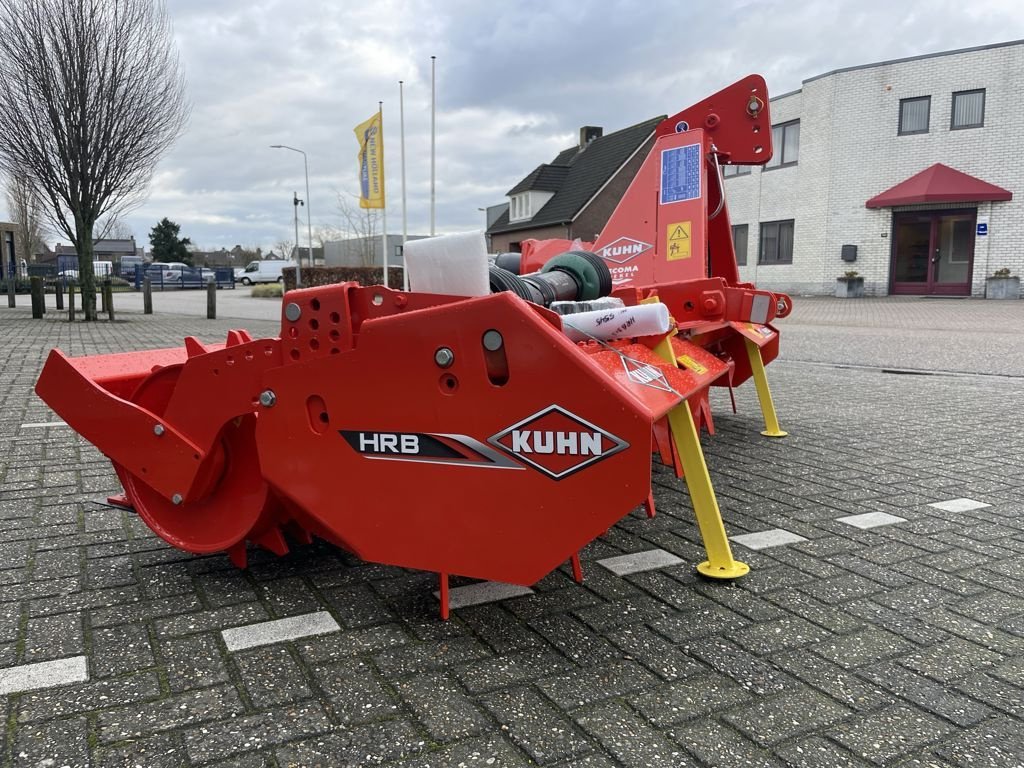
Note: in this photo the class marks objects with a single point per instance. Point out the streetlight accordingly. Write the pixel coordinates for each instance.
(309, 225)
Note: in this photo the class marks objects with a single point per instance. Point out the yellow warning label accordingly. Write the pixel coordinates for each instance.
(691, 364)
(678, 244)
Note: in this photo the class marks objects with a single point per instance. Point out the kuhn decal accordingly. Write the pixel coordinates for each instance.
(623, 249)
(557, 442)
(426, 447)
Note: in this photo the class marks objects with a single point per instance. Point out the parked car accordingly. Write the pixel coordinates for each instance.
(262, 272)
(68, 275)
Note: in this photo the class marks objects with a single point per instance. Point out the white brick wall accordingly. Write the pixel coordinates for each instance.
(850, 152)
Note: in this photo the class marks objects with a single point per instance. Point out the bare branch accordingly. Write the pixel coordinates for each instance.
(94, 96)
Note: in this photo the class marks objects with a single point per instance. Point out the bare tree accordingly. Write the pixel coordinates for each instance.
(362, 225)
(25, 207)
(285, 248)
(93, 96)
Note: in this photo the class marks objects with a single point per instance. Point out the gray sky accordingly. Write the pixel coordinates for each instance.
(515, 80)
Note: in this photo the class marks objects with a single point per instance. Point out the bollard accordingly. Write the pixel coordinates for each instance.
(108, 299)
(103, 296)
(38, 301)
(147, 296)
(58, 294)
(10, 291)
(211, 300)
(71, 303)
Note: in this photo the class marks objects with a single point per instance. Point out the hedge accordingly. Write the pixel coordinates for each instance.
(314, 276)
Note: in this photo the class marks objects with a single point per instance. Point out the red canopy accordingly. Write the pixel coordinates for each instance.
(939, 184)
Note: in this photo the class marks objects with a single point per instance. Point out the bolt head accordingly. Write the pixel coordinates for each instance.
(158, 430)
(268, 398)
(444, 357)
(176, 498)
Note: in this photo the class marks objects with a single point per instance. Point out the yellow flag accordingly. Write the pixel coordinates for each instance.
(370, 136)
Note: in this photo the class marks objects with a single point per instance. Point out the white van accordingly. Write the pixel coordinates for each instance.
(262, 272)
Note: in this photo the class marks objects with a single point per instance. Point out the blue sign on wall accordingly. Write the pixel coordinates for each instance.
(680, 174)
(982, 228)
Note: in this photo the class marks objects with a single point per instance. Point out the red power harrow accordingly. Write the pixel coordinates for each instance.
(457, 435)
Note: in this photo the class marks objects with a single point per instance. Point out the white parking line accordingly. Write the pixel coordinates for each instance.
(483, 592)
(44, 424)
(623, 565)
(268, 632)
(43, 674)
(775, 537)
(871, 520)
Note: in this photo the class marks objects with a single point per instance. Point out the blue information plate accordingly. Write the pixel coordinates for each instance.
(680, 174)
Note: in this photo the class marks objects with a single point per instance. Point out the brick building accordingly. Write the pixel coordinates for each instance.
(916, 162)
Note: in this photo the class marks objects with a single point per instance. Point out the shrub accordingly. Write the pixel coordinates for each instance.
(314, 276)
(267, 291)
(1004, 272)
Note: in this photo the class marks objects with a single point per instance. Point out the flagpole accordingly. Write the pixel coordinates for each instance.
(433, 134)
(383, 198)
(405, 221)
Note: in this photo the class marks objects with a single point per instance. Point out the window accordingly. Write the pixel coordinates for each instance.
(520, 208)
(914, 115)
(735, 170)
(739, 241)
(776, 242)
(786, 143)
(968, 110)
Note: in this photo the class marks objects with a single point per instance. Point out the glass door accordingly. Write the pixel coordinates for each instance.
(933, 252)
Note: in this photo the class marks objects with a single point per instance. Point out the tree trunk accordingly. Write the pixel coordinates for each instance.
(86, 275)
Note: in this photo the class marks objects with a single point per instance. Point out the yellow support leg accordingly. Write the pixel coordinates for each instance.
(719, 564)
(764, 395)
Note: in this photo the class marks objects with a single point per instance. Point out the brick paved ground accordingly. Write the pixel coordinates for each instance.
(896, 645)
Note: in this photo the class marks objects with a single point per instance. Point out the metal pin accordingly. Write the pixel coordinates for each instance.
(158, 430)
(176, 498)
(444, 357)
(268, 398)
(493, 341)
(293, 312)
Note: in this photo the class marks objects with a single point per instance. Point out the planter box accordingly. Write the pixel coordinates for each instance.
(849, 287)
(1002, 288)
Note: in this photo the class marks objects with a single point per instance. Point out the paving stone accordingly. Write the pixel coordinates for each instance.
(442, 707)
(636, 562)
(342, 645)
(175, 711)
(481, 752)
(959, 505)
(120, 650)
(995, 692)
(871, 520)
(162, 751)
(502, 631)
(361, 745)
(630, 740)
(816, 752)
(358, 606)
(356, 692)
(217, 619)
(927, 694)
(687, 699)
(950, 660)
(714, 744)
(863, 647)
(492, 673)
(271, 676)
(224, 738)
(54, 743)
(535, 726)
(780, 634)
(654, 652)
(592, 684)
(574, 639)
(752, 673)
(43, 674)
(776, 537)
(843, 686)
(87, 697)
(993, 744)
(768, 721)
(279, 630)
(193, 662)
(884, 735)
(438, 654)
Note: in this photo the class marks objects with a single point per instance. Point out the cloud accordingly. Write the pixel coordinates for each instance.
(514, 82)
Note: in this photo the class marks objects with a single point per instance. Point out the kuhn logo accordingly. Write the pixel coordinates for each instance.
(622, 250)
(557, 442)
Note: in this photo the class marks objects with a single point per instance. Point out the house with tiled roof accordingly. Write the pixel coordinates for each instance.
(574, 195)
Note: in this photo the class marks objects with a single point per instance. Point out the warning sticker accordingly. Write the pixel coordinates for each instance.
(691, 364)
(678, 241)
